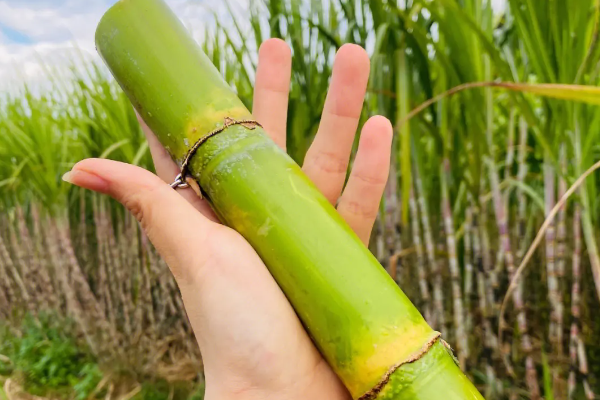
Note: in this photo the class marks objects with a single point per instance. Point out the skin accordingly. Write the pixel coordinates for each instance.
(253, 345)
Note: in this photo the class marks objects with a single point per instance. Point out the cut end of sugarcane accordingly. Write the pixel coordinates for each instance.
(416, 356)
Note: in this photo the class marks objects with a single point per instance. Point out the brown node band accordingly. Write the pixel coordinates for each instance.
(416, 356)
(181, 179)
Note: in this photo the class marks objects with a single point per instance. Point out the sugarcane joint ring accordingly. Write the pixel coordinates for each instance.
(416, 356)
(180, 180)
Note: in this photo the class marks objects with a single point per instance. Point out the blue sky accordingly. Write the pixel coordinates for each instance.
(49, 30)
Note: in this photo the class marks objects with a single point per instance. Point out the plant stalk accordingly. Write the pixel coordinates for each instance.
(363, 324)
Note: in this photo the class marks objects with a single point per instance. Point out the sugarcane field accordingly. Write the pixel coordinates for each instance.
(299, 199)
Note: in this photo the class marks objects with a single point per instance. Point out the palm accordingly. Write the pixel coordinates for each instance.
(252, 343)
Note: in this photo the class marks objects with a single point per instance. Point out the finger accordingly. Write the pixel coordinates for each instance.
(171, 223)
(272, 88)
(167, 170)
(165, 167)
(327, 159)
(359, 204)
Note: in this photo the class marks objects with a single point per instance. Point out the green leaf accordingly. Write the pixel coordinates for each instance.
(547, 373)
(114, 147)
(403, 104)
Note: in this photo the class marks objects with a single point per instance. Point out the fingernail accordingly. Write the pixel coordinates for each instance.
(87, 180)
(67, 177)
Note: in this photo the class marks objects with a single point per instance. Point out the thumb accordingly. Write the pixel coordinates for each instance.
(171, 223)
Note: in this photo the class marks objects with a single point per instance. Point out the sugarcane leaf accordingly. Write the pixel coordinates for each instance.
(403, 104)
(547, 374)
(537, 199)
(113, 147)
(140, 153)
(326, 34)
(586, 94)
(581, 93)
(8, 181)
(459, 201)
(380, 37)
(350, 37)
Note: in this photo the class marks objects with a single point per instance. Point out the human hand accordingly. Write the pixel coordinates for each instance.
(252, 343)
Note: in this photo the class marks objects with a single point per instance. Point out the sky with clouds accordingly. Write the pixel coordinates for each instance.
(50, 30)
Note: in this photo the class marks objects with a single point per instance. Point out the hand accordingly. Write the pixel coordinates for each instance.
(253, 345)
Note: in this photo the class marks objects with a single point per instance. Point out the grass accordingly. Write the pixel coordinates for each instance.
(44, 358)
(483, 167)
(48, 360)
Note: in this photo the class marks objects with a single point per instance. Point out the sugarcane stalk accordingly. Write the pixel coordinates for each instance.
(88, 301)
(39, 277)
(103, 289)
(550, 201)
(440, 249)
(486, 261)
(365, 327)
(521, 228)
(16, 276)
(5, 307)
(469, 294)
(147, 300)
(521, 198)
(20, 270)
(502, 223)
(160, 290)
(416, 241)
(438, 315)
(557, 317)
(457, 296)
(577, 356)
(47, 272)
(491, 284)
(82, 242)
(490, 341)
(526, 345)
(590, 239)
(392, 237)
(29, 263)
(575, 300)
(5, 267)
(584, 370)
(561, 246)
(498, 268)
(379, 245)
(118, 274)
(63, 269)
(510, 150)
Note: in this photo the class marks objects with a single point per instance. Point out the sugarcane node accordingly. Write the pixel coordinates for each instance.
(184, 180)
(416, 356)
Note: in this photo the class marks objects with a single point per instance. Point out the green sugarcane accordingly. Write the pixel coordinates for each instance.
(363, 324)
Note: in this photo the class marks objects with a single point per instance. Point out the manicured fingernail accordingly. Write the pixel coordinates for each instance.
(67, 177)
(87, 180)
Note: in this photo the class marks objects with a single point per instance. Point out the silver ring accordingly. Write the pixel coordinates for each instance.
(179, 183)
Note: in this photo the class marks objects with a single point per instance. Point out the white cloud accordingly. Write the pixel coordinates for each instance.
(51, 32)
(56, 31)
